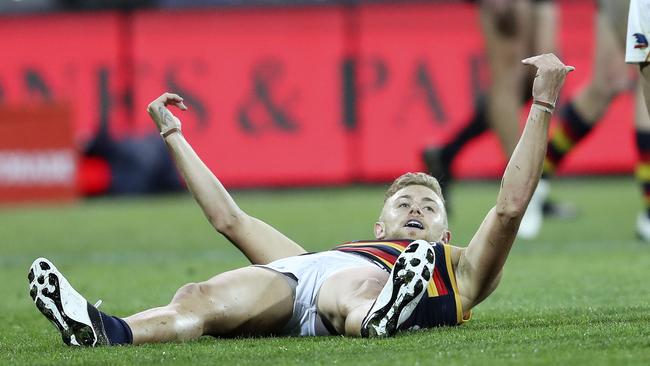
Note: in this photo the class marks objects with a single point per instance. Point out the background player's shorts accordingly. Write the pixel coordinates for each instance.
(638, 32)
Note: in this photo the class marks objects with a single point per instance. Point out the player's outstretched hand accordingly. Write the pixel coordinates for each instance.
(550, 76)
(159, 113)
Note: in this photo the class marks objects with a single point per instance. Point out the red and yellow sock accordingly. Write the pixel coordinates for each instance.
(570, 130)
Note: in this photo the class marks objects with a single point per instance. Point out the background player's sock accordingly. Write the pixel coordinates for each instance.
(438, 160)
(476, 126)
(570, 130)
(117, 331)
(643, 168)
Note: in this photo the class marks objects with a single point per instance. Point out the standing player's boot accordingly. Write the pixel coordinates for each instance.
(79, 322)
(407, 283)
(643, 227)
(439, 167)
(531, 223)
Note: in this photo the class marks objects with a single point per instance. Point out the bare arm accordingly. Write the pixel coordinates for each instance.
(260, 242)
(480, 264)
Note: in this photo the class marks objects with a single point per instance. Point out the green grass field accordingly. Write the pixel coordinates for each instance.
(579, 294)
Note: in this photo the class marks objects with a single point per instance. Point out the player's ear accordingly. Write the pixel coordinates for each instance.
(380, 230)
(446, 237)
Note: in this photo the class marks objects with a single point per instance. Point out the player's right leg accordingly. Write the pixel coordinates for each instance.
(405, 287)
(79, 323)
(249, 300)
(367, 302)
(245, 301)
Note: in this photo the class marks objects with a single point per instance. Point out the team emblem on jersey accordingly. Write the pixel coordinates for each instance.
(641, 41)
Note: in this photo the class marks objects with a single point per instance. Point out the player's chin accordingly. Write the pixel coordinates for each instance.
(416, 234)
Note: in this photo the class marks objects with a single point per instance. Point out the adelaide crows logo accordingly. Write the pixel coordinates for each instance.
(641, 41)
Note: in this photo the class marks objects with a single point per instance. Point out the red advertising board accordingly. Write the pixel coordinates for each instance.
(263, 89)
(74, 58)
(416, 69)
(37, 155)
(430, 56)
(269, 88)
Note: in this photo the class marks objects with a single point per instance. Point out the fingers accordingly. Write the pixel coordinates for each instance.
(531, 60)
(547, 59)
(173, 99)
(168, 99)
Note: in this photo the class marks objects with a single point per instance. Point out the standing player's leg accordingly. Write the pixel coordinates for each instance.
(506, 34)
(643, 145)
(609, 78)
(506, 29)
(439, 159)
(249, 300)
(637, 51)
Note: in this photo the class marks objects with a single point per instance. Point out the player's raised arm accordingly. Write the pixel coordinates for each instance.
(260, 242)
(480, 264)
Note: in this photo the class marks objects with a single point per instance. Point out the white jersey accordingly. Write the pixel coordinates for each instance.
(637, 49)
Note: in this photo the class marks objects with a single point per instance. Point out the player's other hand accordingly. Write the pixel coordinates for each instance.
(550, 76)
(159, 113)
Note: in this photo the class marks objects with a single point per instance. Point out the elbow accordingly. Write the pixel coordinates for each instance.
(511, 210)
(513, 202)
(228, 222)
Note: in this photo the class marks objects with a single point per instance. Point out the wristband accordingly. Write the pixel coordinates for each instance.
(169, 132)
(544, 106)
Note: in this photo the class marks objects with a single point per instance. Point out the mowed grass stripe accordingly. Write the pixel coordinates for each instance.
(577, 295)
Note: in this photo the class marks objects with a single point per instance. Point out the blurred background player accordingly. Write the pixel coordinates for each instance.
(512, 29)
(609, 78)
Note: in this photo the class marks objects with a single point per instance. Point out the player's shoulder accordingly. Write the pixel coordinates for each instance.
(455, 253)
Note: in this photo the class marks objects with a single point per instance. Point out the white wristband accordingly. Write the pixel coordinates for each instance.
(169, 132)
(543, 108)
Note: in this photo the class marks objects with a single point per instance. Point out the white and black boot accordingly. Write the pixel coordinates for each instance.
(78, 321)
(406, 285)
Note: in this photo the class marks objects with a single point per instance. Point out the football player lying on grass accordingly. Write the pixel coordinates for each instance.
(408, 276)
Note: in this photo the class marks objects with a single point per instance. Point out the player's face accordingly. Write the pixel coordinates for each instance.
(414, 212)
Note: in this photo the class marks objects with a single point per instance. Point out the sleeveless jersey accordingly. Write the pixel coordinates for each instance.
(441, 305)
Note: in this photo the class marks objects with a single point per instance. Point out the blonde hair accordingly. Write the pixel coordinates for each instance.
(411, 179)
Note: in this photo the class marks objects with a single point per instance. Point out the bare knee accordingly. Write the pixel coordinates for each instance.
(370, 288)
(188, 292)
(186, 312)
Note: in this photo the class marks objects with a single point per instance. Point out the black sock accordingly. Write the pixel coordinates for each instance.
(117, 331)
(476, 126)
(571, 129)
(643, 167)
